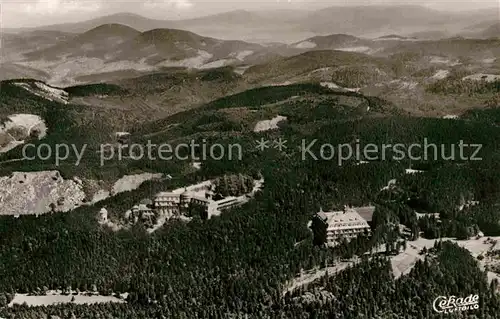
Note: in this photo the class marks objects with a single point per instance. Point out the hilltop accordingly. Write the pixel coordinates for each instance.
(330, 42)
(293, 25)
(286, 68)
(15, 44)
(97, 42)
(152, 96)
(238, 24)
(482, 30)
(492, 31)
(234, 17)
(177, 45)
(376, 20)
(451, 47)
(112, 48)
(129, 19)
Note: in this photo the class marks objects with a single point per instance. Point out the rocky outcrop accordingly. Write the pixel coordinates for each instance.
(38, 193)
(24, 193)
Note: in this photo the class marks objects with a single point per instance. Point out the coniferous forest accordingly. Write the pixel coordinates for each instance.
(239, 264)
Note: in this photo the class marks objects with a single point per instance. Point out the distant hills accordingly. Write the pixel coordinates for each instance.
(96, 42)
(373, 21)
(362, 20)
(286, 25)
(329, 42)
(317, 64)
(112, 48)
(132, 20)
(239, 24)
(114, 51)
(492, 31)
(14, 44)
(138, 22)
(128, 45)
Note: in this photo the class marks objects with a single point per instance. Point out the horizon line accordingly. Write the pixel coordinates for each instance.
(243, 10)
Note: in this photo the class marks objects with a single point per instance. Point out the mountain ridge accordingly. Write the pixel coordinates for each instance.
(354, 20)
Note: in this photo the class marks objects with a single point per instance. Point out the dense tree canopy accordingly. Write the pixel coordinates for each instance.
(237, 265)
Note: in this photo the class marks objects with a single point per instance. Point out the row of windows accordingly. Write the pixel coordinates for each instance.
(349, 224)
(168, 197)
(350, 219)
(201, 202)
(227, 206)
(339, 231)
(167, 201)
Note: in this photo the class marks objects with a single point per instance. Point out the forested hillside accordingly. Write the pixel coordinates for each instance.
(237, 265)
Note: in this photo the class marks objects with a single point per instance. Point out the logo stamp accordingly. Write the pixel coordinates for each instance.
(450, 304)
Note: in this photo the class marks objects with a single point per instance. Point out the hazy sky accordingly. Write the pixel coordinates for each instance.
(22, 13)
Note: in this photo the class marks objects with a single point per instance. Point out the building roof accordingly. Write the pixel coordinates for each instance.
(167, 194)
(226, 200)
(349, 219)
(366, 212)
(201, 198)
(322, 215)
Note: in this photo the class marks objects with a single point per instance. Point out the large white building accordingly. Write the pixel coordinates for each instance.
(169, 203)
(343, 224)
(176, 202)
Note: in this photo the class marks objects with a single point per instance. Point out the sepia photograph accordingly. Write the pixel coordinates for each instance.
(249, 159)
